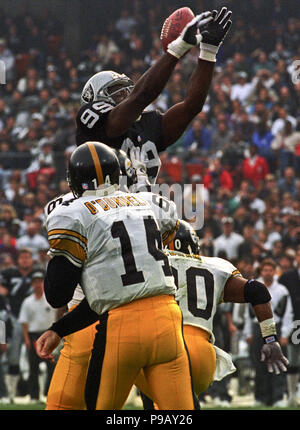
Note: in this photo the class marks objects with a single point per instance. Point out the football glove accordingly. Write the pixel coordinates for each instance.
(138, 160)
(214, 33)
(272, 355)
(188, 37)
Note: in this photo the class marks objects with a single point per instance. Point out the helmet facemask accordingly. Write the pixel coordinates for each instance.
(114, 93)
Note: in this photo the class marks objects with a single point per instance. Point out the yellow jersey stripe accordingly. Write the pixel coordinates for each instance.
(97, 163)
(68, 245)
(68, 233)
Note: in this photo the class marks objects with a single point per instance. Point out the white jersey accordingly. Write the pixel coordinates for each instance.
(116, 240)
(200, 287)
(200, 282)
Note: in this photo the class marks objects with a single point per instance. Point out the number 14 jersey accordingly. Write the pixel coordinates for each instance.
(116, 240)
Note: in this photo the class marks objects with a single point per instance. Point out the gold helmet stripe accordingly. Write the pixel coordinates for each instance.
(97, 163)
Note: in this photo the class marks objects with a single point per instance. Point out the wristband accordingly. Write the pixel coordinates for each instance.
(268, 330)
(208, 52)
(178, 47)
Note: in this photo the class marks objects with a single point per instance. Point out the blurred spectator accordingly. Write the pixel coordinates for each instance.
(255, 167)
(105, 48)
(269, 388)
(221, 136)
(32, 240)
(15, 285)
(197, 136)
(287, 144)
(229, 241)
(288, 182)
(217, 177)
(263, 138)
(125, 23)
(279, 123)
(36, 316)
(8, 58)
(245, 247)
(242, 89)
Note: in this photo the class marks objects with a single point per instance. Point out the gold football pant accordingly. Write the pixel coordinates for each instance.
(202, 358)
(66, 391)
(144, 334)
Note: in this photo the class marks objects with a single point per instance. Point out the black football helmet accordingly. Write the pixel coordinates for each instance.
(127, 171)
(186, 239)
(92, 165)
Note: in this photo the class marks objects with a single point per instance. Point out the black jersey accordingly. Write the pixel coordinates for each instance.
(19, 287)
(146, 133)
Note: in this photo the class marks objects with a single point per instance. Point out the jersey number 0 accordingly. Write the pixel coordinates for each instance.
(194, 294)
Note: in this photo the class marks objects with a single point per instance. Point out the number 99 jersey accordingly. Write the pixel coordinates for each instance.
(145, 133)
(200, 285)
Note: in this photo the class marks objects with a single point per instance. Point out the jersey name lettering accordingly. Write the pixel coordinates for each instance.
(107, 203)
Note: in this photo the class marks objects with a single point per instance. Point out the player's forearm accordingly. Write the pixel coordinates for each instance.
(153, 81)
(179, 116)
(145, 91)
(198, 88)
(263, 312)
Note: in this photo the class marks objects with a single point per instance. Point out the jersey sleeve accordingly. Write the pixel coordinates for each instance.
(225, 271)
(67, 237)
(225, 266)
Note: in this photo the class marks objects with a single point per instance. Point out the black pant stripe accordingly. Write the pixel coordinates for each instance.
(95, 366)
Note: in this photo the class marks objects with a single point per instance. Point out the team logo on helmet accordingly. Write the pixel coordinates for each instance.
(88, 94)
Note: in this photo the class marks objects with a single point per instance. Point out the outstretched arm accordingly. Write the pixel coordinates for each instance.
(239, 290)
(177, 118)
(151, 84)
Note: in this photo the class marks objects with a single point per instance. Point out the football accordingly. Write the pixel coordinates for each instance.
(174, 24)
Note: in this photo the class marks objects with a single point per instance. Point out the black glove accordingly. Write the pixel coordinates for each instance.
(213, 34)
(188, 37)
(272, 355)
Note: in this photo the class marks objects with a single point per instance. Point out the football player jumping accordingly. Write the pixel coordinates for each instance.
(113, 107)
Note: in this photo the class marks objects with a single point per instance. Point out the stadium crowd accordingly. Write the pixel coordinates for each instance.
(244, 146)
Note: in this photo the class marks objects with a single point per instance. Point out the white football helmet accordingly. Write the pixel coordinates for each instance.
(103, 86)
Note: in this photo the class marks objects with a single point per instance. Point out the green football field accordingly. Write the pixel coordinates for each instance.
(41, 406)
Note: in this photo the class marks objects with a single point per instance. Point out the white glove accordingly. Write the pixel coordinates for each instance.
(188, 37)
(139, 159)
